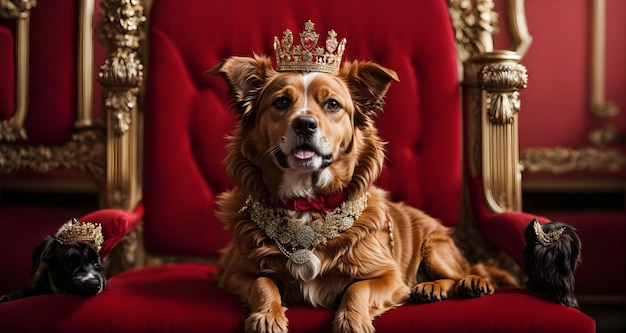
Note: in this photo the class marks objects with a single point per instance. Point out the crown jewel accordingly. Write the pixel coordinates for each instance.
(308, 57)
(77, 232)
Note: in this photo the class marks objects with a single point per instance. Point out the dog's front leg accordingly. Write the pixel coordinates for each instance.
(365, 299)
(263, 298)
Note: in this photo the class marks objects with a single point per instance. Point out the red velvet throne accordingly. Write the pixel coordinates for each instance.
(433, 147)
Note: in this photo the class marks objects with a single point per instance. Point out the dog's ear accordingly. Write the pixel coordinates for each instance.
(245, 77)
(576, 248)
(47, 246)
(368, 83)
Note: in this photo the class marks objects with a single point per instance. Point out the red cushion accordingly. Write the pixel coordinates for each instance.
(187, 115)
(185, 298)
(115, 225)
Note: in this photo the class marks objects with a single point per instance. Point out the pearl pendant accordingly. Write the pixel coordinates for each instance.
(301, 256)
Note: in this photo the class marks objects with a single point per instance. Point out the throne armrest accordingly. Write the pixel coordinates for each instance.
(506, 231)
(116, 224)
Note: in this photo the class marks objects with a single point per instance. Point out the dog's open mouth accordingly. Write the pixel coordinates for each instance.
(303, 157)
(304, 153)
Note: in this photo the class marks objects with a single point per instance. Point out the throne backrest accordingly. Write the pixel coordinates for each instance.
(187, 116)
(51, 131)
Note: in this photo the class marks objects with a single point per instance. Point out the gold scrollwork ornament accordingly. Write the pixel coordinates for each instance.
(16, 8)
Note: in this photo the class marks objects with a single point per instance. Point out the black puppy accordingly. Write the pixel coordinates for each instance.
(66, 263)
(551, 255)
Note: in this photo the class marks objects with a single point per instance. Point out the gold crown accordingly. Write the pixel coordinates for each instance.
(77, 232)
(308, 57)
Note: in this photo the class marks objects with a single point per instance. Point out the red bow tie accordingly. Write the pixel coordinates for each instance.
(320, 203)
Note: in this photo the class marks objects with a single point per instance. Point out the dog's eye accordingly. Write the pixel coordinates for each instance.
(282, 103)
(332, 105)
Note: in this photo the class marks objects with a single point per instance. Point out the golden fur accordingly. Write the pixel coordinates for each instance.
(359, 273)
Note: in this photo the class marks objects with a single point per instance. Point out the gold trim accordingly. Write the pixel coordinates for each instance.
(12, 129)
(599, 107)
(500, 77)
(559, 160)
(491, 84)
(502, 82)
(518, 29)
(474, 24)
(84, 152)
(603, 135)
(16, 8)
(122, 76)
(85, 64)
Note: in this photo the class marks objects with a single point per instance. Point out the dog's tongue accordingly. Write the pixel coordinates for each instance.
(303, 154)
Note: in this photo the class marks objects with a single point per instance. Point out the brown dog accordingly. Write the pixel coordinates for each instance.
(309, 226)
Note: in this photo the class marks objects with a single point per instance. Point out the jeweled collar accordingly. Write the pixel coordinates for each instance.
(297, 240)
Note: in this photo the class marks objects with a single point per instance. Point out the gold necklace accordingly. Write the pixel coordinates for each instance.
(296, 240)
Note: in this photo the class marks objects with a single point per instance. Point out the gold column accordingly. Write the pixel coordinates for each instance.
(12, 129)
(122, 76)
(84, 118)
(500, 77)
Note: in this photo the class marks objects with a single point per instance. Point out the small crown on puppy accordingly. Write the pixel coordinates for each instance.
(79, 232)
(308, 57)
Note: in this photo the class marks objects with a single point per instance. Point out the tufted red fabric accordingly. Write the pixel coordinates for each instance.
(187, 117)
(115, 225)
(185, 298)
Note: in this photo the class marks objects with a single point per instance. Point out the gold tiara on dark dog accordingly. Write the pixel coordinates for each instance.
(81, 232)
(308, 57)
(547, 238)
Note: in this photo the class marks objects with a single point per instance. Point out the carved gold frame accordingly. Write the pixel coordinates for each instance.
(85, 151)
(560, 160)
(12, 129)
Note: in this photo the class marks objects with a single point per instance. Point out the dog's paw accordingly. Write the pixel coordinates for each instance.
(352, 321)
(427, 292)
(272, 320)
(474, 286)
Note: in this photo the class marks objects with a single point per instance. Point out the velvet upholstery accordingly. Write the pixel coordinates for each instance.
(424, 147)
(184, 298)
(186, 119)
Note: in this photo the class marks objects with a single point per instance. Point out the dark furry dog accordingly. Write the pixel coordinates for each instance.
(64, 263)
(551, 255)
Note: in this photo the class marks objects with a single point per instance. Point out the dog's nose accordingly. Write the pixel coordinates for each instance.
(304, 125)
